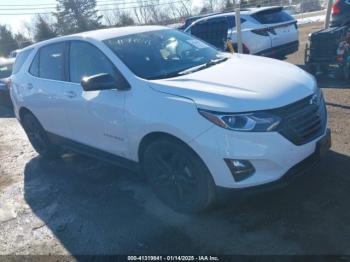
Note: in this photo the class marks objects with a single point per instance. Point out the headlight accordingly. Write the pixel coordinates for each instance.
(253, 122)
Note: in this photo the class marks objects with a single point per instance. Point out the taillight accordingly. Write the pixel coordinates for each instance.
(261, 31)
(335, 8)
(245, 49)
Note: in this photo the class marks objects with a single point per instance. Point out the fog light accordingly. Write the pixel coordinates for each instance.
(240, 169)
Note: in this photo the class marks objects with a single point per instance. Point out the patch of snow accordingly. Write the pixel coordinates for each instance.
(312, 19)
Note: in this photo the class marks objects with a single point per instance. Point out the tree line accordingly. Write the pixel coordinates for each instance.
(74, 16)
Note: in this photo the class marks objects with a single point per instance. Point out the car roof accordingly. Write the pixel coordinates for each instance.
(244, 11)
(101, 34)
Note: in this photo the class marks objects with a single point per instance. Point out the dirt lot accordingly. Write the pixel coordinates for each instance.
(77, 205)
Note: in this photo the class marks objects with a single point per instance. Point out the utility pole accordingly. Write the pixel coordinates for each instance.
(238, 26)
(328, 14)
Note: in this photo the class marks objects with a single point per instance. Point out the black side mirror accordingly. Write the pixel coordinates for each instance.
(103, 82)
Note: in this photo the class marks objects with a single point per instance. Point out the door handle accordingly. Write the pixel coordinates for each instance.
(70, 94)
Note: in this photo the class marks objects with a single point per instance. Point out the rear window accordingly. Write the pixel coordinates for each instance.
(20, 59)
(5, 70)
(273, 16)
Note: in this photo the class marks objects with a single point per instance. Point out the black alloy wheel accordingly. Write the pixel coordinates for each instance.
(38, 136)
(178, 176)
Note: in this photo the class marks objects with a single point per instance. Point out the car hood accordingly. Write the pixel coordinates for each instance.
(242, 83)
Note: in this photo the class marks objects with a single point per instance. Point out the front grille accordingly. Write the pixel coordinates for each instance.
(303, 121)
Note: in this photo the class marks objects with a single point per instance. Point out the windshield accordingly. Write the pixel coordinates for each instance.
(161, 54)
(5, 70)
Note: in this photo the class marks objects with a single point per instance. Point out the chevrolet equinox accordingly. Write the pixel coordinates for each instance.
(194, 120)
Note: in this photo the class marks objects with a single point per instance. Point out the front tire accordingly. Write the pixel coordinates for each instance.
(178, 176)
(38, 137)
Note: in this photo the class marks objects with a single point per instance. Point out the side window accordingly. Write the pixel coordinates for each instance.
(214, 31)
(232, 21)
(20, 59)
(34, 67)
(51, 62)
(87, 60)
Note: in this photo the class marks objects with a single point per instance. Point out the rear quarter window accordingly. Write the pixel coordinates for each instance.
(34, 67)
(20, 59)
(273, 17)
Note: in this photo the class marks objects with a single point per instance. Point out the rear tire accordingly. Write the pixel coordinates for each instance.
(178, 176)
(38, 137)
(346, 71)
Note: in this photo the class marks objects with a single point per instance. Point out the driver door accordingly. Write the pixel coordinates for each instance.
(96, 118)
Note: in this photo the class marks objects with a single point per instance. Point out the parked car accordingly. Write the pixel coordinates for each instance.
(5, 73)
(194, 120)
(266, 31)
(340, 13)
(14, 53)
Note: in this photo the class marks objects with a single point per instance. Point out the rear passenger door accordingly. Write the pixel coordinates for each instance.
(47, 88)
(96, 118)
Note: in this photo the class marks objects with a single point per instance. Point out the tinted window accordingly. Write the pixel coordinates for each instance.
(34, 67)
(87, 60)
(214, 31)
(190, 20)
(5, 70)
(273, 16)
(232, 21)
(162, 53)
(20, 59)
(51, 62)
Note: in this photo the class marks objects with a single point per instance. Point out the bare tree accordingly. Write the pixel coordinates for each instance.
(118, 17)
(211, 5)
(43, 28)
(186, 8)
(28, 29)
(141, 12)
(155, 11)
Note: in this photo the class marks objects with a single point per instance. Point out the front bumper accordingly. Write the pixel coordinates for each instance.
(273, 156)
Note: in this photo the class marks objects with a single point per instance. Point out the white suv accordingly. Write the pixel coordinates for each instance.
(194, 120)
(266, 31)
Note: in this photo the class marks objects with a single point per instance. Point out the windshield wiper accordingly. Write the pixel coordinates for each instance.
(216, 61)
(191, 69)
(203, 66)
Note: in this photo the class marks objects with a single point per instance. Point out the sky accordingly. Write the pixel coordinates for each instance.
(12, 12)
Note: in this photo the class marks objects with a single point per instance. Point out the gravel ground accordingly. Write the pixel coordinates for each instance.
(77, 205)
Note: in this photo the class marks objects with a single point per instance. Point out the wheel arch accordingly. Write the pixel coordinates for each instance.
(210, 185)
(23, 111)
(153, 136)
